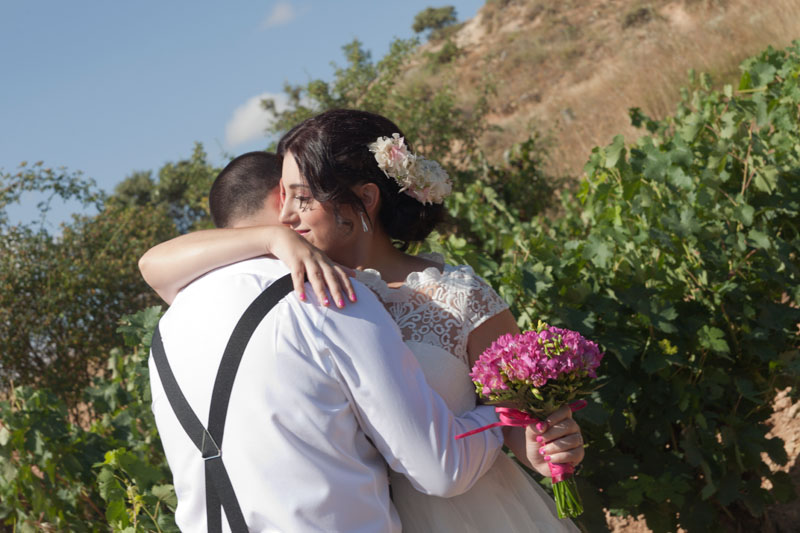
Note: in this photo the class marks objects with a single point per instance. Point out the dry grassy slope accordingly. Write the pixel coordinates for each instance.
(571, 69)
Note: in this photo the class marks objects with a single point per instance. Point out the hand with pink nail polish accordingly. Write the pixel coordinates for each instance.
(558, 437)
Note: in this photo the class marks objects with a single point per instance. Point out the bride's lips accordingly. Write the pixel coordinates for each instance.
(302, 231)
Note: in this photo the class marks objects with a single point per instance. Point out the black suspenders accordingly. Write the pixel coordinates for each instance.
(219, 490)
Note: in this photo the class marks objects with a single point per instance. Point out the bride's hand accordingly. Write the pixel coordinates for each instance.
(556, 440)
(305, 259)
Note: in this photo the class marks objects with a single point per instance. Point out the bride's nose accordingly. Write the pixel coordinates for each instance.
(288, 215)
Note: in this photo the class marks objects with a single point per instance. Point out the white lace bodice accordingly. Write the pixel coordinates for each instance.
(436, 307)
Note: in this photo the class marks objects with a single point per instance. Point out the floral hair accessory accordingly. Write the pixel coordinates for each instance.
(421, 178)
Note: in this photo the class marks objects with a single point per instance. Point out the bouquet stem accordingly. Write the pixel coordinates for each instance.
(565, 491)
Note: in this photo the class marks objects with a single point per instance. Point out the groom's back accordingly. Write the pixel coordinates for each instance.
(290, 430)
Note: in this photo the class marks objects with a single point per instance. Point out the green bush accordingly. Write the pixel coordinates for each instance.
(447, 53)
(679, 254)
(108, 472)
(62, 292)
(435, 20)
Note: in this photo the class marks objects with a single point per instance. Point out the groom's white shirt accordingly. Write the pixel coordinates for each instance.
(322, 401)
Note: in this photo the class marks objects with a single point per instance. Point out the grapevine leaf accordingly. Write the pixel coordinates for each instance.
(117, 514)
(598, 252)
(614, 151)
(759, 239)
(713, 339)
(166, 494)
(744, 214)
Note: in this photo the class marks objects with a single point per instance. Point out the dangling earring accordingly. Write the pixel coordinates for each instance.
(364, 223)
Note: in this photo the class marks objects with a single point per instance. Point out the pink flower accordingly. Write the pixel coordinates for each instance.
(397, 153)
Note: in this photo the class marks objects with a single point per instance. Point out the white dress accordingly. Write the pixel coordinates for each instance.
(436, 312)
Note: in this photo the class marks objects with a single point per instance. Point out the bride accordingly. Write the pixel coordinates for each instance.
(352, 188)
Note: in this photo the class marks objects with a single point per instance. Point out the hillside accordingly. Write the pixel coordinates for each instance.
(570, 70)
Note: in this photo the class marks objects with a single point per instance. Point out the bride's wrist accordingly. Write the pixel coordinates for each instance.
(268, 239)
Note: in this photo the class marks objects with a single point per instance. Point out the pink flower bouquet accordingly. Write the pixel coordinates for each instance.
(533, 374)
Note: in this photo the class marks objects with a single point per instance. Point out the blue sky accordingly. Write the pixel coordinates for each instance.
(110, 87)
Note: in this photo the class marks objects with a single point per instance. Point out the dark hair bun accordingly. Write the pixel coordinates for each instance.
(406, 219)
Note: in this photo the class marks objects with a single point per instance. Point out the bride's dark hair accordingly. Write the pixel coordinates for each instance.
(332, 154)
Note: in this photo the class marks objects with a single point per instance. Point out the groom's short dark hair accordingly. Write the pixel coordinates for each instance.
(240, 189)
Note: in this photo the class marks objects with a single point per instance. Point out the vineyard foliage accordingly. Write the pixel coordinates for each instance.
(678, 253)
(110, 473)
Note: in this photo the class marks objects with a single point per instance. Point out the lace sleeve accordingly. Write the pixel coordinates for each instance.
(464, 299)
(483, 303)
(436, 307)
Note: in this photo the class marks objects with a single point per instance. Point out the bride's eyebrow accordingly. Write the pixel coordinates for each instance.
(293, 186)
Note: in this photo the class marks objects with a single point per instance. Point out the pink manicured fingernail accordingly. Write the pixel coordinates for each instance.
(341, 302)
(547, 458)
(539, 439)
(541, 451)
(541, 426)
(302, 297)
(353, 298)
(326, 302)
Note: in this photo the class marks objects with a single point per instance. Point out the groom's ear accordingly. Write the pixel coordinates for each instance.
(370, 196)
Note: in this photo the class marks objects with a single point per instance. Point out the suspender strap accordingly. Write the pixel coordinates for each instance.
(219, 489)
(221, 395)
(232, 355)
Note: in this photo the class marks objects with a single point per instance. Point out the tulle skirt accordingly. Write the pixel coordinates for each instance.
(504, 500)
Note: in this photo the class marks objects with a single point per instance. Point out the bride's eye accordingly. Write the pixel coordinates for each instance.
(303, 201)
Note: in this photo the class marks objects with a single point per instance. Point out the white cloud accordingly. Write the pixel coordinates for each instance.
(249, 120)
(282, 13)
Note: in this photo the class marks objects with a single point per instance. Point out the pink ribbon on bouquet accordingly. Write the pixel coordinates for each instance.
(508, 417)
(517, 418)
(514, 417)
(560, 471)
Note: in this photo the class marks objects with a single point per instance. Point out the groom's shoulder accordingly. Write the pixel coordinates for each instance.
(218, 299)
(228, 287)
(259, 272)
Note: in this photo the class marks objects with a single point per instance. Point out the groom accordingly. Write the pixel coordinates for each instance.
(323, 400)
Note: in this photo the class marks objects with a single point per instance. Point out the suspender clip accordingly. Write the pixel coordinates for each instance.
(209, 448)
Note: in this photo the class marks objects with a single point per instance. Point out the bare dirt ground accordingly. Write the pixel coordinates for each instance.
(786, 425)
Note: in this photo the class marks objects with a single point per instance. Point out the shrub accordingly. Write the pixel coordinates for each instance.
(57, 475)
(448, 52)
(434, 19)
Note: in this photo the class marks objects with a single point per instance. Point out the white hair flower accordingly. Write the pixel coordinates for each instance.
(421, 178)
